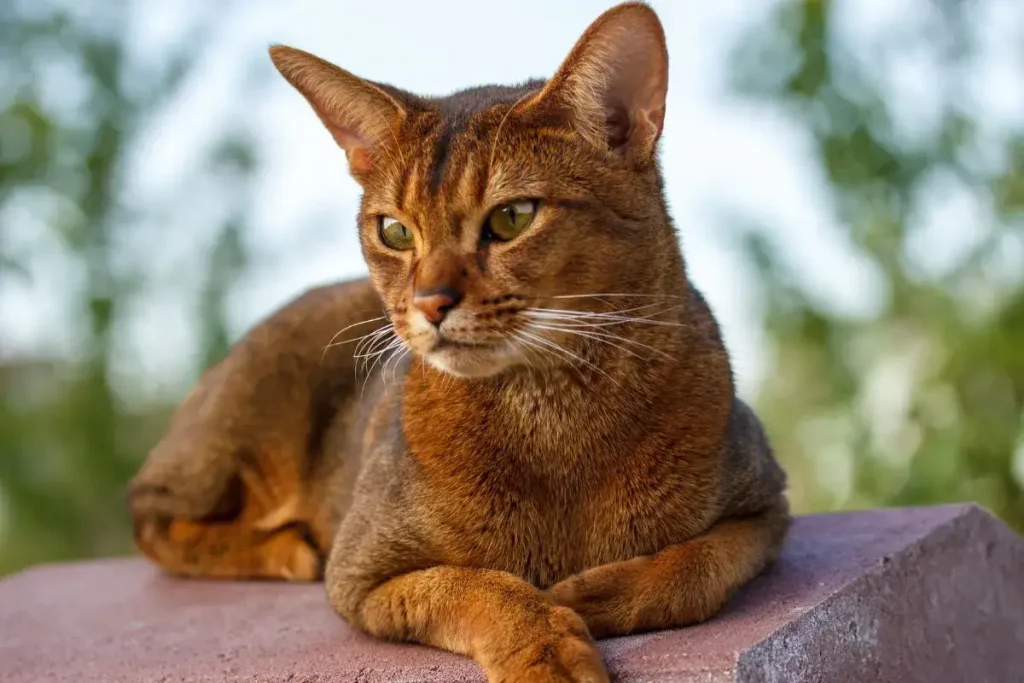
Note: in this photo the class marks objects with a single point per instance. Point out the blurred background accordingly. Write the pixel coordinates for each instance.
(847, 176)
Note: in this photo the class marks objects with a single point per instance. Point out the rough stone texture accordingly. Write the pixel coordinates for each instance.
(928, 594)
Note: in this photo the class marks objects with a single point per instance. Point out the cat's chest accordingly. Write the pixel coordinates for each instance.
(540, 536)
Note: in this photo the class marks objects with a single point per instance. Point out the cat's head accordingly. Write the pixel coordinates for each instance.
(486, 206)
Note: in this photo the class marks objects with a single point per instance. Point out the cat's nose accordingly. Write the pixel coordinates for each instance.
(436, 303)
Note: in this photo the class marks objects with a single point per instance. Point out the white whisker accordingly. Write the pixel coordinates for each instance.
(371, 356)
(368, 339)
(365, 346)
(604, 338)
(372, 349)
(586, 335)
(556, 347)
(384, 366)
(343, 330)
(614, 311)
(395, 343)
(398, 361)
(586, 319)
(525, 344)
(620, 294)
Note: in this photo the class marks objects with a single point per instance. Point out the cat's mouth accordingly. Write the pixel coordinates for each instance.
(445, 343)
(466, 358)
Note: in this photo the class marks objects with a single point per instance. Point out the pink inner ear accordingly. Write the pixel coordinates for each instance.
(358, 160)
(620, 125)
(356, 150)
(649, 124)
(641, 94)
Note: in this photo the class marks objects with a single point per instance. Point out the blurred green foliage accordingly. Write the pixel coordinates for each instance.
(918, 401)
(68, 443)
(922, 399)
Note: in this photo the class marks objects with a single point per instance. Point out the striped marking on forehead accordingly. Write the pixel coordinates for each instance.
(446, 173)
(453, 132)
(449, 127)
(449, 177)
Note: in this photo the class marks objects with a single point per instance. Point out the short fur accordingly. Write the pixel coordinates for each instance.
(546, 479)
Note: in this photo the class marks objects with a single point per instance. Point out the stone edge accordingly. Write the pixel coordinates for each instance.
(781, 656)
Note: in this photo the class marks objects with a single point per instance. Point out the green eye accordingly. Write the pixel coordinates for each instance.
(394, 234)
(509, 220)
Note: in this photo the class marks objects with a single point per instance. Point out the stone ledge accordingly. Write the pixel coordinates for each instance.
(922, 594)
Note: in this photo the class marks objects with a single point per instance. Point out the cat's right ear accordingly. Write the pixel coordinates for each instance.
(360, 115)
(612, 87)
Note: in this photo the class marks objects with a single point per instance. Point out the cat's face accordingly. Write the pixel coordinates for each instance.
(472, 231)
(486, 212)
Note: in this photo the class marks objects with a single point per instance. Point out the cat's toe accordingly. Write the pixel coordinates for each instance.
(602, 597)
(288, 556)
(561, 653)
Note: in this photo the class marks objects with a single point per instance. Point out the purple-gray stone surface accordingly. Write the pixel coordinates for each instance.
(921, 594)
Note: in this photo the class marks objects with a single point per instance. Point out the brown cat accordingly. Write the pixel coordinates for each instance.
(548, 446)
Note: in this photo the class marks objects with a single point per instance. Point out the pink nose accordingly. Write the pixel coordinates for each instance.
(436, 303)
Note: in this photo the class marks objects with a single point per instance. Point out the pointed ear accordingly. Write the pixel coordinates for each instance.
(360, 115)
(612, 86)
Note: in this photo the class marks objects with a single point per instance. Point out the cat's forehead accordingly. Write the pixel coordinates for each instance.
(439, 123)
(465, 103)
(446, 150)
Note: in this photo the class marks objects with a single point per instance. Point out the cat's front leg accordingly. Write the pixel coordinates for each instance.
(513, 630)
(681, 585)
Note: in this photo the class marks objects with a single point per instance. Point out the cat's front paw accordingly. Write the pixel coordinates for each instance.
(563, 652)
(603, 596)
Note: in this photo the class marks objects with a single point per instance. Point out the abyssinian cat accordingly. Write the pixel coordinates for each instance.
(548, 447)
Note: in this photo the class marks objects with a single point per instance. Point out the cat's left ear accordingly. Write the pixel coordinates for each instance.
(613, 84)
(359, 114)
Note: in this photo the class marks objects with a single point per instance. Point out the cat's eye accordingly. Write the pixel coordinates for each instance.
(510, 220)
(394, 234)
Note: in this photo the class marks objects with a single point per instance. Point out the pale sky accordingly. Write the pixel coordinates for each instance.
(715, 152)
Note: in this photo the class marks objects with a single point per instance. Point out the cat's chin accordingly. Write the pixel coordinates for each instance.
(473, 361)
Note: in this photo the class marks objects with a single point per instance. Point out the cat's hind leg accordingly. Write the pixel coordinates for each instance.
(226, 550)
(206, 505)
(236, 486)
